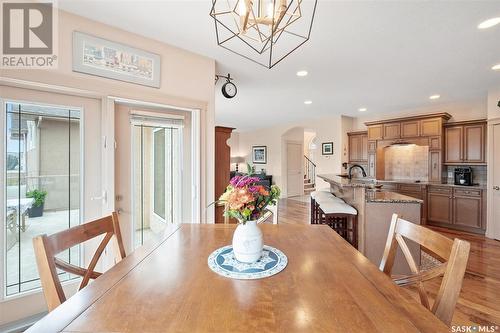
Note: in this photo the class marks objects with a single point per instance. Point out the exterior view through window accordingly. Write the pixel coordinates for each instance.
(157, 176)
(42, 178)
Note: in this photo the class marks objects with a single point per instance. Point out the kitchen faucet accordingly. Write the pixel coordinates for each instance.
(356, 166)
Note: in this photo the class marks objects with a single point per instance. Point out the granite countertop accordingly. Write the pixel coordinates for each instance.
(346, 182)
(371, 183)
(390, 197)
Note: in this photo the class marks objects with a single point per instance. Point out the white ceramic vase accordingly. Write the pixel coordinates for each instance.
(247, 242)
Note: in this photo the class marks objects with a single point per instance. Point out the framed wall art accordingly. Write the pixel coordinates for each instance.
(259, 154)
(97, 56)
(327, 148)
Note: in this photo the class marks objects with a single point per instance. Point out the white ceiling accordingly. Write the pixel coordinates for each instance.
(386, 56)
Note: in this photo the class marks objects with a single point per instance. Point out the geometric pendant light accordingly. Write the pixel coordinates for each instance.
(263, 31)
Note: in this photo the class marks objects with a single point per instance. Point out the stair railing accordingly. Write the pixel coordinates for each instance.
(310, 170)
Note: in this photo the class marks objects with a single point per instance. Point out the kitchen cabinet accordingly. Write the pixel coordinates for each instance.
(358, 147)
(410, 129)
(467, 208)
(465, 143)
(439, 205)
(453, 146)
(372, 162)
(457, 208)
(474, 143)
(431, 127)
(435, 166)
(392, 131)
(435, 143)
(375, 132)
(416, 191)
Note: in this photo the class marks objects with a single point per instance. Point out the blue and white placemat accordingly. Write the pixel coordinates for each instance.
(223, 262)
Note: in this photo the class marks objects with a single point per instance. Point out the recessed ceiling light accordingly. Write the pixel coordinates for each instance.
(489, 23)
(308, 102)
(496, 67)
(434, 96)
(302, 73)
(362, 109)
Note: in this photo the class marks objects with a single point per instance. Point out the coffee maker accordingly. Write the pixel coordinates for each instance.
(463, 176)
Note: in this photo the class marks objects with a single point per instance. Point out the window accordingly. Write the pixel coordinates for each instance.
(42, 180)
(157, 175)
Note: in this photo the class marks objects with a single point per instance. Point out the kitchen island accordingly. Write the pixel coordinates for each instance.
(375, 209)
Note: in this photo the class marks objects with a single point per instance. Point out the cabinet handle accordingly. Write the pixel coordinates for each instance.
(496, 188)
(435, 165)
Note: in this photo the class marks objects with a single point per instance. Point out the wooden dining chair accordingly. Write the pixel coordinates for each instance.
(455, 254)
(47, 247)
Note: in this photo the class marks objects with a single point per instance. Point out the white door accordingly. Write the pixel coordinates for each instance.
(152, 183)
(495, 191)
(295, 178)
(51, 181)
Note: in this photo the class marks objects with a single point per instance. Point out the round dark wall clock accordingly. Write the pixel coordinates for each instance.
(229, 90)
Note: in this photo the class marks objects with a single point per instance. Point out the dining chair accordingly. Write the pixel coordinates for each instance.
(47, 247)
(455, 254)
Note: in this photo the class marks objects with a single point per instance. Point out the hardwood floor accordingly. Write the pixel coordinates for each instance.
(479, 302)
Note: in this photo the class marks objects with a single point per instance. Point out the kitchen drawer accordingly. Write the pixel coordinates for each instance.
(467, 192)
(389, 186)
(410, 187)
(440, 189)
(418, 195)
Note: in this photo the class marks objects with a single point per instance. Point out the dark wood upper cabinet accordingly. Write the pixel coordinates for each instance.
(474, 143)
(454, 143)
(465, 142)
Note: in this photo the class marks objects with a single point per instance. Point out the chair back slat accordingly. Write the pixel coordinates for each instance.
(427, 238)
(455, 252)
(71, 237)
(47, 247)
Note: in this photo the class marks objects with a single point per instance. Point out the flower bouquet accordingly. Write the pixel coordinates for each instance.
(247, 202)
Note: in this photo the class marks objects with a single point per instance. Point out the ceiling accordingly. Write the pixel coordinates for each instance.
(385, 56)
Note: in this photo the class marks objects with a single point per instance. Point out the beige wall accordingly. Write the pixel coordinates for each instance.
(327, 129)
(187, 80)
(493, 99)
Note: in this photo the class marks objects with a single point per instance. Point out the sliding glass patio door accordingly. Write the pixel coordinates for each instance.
(156, 175)
(42, 192)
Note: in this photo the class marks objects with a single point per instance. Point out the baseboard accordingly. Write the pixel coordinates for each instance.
(21, 325)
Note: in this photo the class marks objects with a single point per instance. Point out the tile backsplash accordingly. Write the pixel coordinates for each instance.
(479, 174)
(408, 162)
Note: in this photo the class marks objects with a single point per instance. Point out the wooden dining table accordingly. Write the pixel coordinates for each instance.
(167, 286)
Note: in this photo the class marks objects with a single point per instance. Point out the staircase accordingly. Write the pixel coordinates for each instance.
(309, 176)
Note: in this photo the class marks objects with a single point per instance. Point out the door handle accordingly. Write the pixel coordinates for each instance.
(496, 188)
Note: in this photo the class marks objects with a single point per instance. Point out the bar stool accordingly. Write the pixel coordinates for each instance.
(342, 218)
(316, 198)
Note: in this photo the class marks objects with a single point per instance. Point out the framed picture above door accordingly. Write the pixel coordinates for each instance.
(105, 58)
(259, 154)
